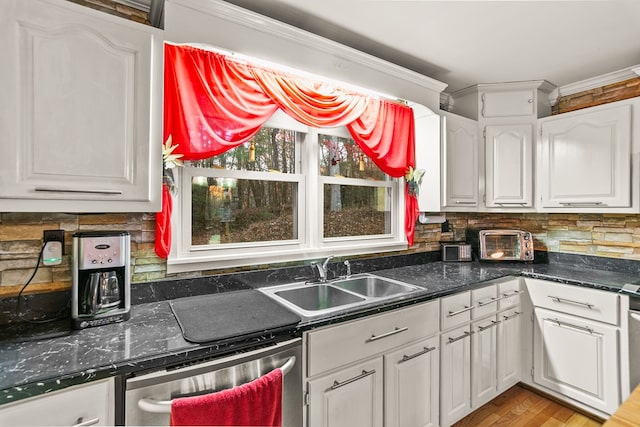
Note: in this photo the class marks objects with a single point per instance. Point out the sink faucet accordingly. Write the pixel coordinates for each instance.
(348, 274)
(322, 269)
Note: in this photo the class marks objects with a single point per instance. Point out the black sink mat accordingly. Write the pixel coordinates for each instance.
(229, 314)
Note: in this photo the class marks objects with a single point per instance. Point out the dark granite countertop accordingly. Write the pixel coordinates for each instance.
(151, 338)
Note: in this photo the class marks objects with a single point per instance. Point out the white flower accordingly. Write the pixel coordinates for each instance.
(169, 159)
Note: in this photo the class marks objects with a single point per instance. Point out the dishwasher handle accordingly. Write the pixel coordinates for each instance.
(164, 406)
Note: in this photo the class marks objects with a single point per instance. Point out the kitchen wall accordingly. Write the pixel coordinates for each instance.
(616, 236)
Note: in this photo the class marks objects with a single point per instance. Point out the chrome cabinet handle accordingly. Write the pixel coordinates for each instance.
(67, 190)
(483, 99)
(584, 204)
(91, 422)
(387, 334)
(511, 203)
(489, 301)
(516, 314)
(420, 353)
(571, 325)
(510, 294)
(484, 328)
(364, 374)
(466, 308)
(570, 301)
(462, 202)
(461, 337)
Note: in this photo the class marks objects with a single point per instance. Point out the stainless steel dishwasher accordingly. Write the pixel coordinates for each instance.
(148, 397)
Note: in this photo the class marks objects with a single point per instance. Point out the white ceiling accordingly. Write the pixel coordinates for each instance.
(463, 43)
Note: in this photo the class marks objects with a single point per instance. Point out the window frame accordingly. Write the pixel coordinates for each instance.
(310, 244)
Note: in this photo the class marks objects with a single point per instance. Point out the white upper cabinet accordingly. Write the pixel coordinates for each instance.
(80, 110)
(509, 165)
(427, 133)
(507, 103)
(460, 163)
(585, 159)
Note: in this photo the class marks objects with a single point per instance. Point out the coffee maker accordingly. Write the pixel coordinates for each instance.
(100, 289)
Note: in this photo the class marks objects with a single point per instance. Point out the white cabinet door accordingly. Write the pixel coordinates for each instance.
(460, 162)
(509, 165)
(80, 110)
(455, 375)
(585, 159)
(411, 378)
(349, 397)
(427, 130)
(92, 404)
(578, 358)
(509, 349)
(507, 103)
(483, 361)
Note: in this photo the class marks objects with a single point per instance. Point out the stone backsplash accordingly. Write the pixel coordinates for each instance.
(606, 235)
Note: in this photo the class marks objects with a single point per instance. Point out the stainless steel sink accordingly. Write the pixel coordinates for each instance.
(373, 286)
(318, 297)
(311, 300)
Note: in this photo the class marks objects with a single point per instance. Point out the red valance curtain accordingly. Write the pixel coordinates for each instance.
(213, 102)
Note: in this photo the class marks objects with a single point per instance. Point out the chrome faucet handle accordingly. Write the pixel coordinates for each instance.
(322, 274)
(348, 265)
(326, 261)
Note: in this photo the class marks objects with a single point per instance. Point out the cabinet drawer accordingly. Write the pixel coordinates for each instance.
(455, 310)
(509, 294)
(336, 346)
(90, 403)
(588, 303)
(484, 301)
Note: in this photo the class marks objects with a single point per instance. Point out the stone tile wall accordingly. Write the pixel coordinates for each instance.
(607, 235)
(614, 92)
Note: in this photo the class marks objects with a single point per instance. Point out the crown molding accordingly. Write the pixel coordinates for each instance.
(247, 18)
(599, 81)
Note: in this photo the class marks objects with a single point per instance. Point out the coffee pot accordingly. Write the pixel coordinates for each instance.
(100, 291)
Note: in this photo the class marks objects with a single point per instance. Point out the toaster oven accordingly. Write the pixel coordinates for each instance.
(501, 245)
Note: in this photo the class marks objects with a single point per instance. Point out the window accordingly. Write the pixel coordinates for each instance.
(290, 193)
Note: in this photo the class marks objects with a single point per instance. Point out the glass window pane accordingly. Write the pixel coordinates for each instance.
(342, 157)
(228, 210)
(271, 149)
(351, 210)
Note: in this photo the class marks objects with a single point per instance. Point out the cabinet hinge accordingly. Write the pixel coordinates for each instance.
(532, 370)
(484, 133)
(484, 197)
(306, 398)
(533, 318)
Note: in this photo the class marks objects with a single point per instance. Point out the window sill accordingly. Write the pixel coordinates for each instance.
(199, 262)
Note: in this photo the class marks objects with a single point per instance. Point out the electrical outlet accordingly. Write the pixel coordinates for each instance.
(53, 247)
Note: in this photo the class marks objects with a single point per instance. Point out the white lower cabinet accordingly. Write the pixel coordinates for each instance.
(411, 382)
(455, 375)
(577, 357)
(484, 361)
(509, 342)
(481, 358)
(381, 366)
(347, 398)
(90, 404)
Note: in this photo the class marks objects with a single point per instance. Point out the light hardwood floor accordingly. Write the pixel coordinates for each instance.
(521, 407)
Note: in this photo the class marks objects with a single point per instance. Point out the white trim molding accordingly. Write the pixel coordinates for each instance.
(244, 32)
(599, 81)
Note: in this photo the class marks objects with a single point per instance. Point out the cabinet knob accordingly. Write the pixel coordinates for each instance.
(530, 101)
